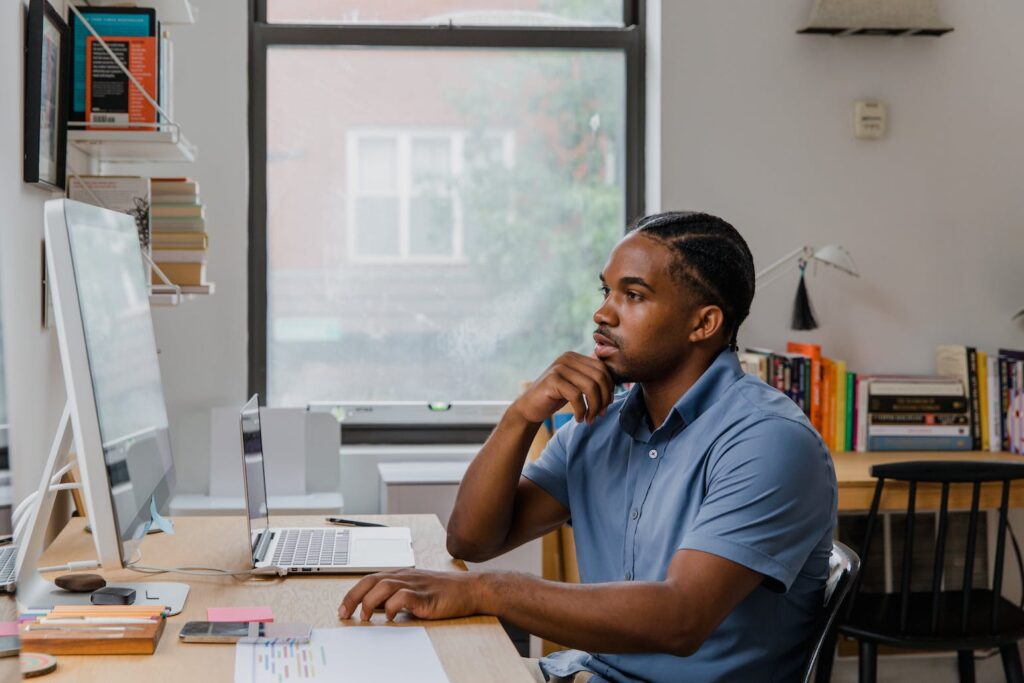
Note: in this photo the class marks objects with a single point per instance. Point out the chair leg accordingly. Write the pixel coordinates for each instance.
(965, 663)
(826, 657)
(867, 664)
(1011, 663)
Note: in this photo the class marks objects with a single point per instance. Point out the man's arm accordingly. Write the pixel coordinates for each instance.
(672, 616)
(496, 508)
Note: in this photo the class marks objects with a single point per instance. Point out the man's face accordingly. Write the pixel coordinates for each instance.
(644, 323)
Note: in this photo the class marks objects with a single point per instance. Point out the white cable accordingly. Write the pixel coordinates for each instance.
(199, 571)
(55, 479)
(70, 566)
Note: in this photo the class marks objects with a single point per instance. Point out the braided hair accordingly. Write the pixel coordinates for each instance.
(710, 257)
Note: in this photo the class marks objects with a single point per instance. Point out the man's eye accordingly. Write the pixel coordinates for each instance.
(634, 296)
(604, 291)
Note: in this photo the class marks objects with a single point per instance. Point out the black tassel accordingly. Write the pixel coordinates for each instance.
(803, 315)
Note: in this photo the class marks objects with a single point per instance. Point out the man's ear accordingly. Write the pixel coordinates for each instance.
(707, 322)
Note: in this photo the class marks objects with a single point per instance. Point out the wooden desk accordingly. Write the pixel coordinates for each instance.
(471, 650)
(857, 486)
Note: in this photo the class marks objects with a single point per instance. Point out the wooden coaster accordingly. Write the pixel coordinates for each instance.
(37, 664)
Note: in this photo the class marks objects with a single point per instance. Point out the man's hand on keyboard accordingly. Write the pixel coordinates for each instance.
(425, 594)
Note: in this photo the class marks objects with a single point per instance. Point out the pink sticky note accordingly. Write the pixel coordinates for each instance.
(8, 628)
(239, 614)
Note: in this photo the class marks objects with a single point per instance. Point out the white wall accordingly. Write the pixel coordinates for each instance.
(757, 126)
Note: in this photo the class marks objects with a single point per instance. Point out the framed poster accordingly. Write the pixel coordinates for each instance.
(46, 103)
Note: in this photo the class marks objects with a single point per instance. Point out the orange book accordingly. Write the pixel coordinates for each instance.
(828, 403)
(813, 351)
(110, 97)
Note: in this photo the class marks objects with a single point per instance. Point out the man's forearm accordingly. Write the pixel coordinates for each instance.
(484, 507)
(639, 616)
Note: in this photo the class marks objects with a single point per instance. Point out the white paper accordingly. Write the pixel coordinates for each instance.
(368, 654)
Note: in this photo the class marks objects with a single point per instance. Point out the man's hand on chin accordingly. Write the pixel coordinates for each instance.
(424, 594)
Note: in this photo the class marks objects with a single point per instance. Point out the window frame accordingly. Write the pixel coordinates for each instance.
(628, 39)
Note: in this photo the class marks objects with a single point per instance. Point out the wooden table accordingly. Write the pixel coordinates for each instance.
(471, 650)
(857, 486)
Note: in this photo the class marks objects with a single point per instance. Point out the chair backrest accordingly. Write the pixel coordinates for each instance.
(843, 568)
(945, 473)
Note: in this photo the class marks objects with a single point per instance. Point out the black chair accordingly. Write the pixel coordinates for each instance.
(965, 619)
(843, 567)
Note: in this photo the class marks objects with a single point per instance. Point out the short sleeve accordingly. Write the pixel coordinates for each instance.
(550, 471)
(771, 497)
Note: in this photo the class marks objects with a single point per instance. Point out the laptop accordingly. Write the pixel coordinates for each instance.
(310, 550)
(8, 553)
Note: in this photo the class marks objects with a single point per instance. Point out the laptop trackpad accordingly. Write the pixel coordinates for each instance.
(381, 552)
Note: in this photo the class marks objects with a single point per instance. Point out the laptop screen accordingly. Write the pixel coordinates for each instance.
(253, 473)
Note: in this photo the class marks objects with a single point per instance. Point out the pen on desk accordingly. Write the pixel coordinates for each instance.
(351, 522)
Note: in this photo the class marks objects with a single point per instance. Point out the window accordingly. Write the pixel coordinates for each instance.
(430, 207)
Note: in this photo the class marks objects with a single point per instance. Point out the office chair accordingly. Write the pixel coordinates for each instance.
(964, 620)
(843, 568)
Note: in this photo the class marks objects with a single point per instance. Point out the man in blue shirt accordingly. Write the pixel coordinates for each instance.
(702, 502)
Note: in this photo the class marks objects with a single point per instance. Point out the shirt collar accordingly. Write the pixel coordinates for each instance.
(704, 393)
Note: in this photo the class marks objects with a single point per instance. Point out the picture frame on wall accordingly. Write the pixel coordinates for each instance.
(46, 103)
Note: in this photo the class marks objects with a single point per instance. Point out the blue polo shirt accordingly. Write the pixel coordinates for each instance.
(737, 471)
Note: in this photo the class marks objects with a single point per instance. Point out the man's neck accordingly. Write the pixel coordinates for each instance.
(661, 395)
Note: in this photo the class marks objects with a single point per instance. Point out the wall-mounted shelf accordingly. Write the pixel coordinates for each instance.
(168, 11)
(133, 146)
(165, 295)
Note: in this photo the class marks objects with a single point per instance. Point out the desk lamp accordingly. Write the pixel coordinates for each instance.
(831, 255)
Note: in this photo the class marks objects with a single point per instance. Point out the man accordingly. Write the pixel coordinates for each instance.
(702, 502)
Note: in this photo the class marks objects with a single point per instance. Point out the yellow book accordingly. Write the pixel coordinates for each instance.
(983, 396)
(840, 385)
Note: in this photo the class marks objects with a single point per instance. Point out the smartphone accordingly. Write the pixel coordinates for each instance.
(242, 631)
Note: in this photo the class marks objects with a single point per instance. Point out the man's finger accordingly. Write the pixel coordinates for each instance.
(598, 372)
(571, 393)
(590, 388)
(404, 599)
(379, 594)
(356, 593)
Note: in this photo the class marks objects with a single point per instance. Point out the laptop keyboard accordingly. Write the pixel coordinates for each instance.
(311, 548)
(7, 555)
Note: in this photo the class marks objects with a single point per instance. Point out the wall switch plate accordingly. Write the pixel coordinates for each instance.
(870, 120)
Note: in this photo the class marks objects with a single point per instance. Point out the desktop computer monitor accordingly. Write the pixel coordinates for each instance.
(111, 371)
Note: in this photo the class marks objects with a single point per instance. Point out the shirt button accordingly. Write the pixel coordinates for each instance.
(652, 454)
(634, 514)
(629, 576)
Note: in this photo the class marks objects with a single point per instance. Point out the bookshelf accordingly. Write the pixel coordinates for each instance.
(148, 143)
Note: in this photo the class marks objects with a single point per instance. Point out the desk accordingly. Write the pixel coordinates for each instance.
(857, 486)
(471, 650)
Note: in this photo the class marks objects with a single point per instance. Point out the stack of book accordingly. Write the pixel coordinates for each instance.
(821, 386)
(913, 413)
(180, 241)
(994, 385)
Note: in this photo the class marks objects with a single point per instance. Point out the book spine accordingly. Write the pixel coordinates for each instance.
(972, 391)
(994, 435)
(816, 397)
(1004, 401)
(919, 443)
(796, 382)
(805, 385)
(840, 412)
(938, 419)
(851, 384)
(982, 375)
(917, 404)
(862, 414)
(919, 430)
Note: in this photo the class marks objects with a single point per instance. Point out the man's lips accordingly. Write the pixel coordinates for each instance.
(604, 347)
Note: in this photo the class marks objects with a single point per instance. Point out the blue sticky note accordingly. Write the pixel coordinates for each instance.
(162, 523)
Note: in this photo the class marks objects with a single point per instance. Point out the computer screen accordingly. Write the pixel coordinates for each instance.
(254, 474)
(113, 299)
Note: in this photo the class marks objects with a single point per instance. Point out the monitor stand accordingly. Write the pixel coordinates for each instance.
(33, 591)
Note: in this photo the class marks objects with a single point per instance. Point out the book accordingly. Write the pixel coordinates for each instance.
(127, 194)
(994, 408)
(110, 96)
(960, 362)
(755, 364)
(919, 430)
(919, 386)
(840, 403)
(181, 273)
(851, 388)
(919, 419)
(179, 255)
(164, 210)
(919, 443)
(106, 21)
(917, 404)
(827, 403)
(982, 374)
(179, 240)
(812, 351)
